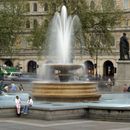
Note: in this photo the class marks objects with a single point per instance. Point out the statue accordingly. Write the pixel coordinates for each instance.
(124, 47)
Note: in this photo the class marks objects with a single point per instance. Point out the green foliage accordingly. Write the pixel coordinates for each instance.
(39, 36)
(97, 25)
(11, 21)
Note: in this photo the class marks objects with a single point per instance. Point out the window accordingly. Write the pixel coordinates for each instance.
(126, 4)
(46, 7)
(35, 7)
(129, 22)
(35, 23)
(92, 5)
(112, 41)
(27, 24)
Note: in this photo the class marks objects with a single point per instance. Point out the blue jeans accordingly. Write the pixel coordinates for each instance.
(26, 109)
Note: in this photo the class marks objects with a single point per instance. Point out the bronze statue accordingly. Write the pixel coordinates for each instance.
(124, 47)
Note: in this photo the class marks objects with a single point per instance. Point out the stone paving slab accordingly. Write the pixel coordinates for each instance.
(30, 124)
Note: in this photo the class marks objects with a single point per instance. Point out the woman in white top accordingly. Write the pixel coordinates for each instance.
(18, 104)
(26, 107)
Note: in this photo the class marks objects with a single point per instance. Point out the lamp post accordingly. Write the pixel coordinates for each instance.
(96, 63)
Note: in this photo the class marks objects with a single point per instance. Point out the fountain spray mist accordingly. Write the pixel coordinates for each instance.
(61, 36)
(60, 39)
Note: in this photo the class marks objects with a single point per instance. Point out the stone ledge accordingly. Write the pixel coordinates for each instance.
(90, 112)
(37, 113)
(109, 114)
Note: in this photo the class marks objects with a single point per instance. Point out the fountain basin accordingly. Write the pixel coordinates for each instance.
(64, 70)
(65, 91)
(63, 67)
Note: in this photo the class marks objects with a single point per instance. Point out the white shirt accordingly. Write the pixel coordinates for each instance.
(30, 102)
(18, 103)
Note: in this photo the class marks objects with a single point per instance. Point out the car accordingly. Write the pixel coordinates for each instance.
(12, 75)
(24, 77)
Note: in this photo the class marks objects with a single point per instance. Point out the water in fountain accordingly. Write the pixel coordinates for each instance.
(60, 38)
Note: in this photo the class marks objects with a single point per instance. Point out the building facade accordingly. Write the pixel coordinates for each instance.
(29, 61)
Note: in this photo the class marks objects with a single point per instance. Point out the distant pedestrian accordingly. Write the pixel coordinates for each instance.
(6, 88)
(21, 87)
(128, 90)
(125, 88)
(13, 87)
(109, 83)
(1, 84)
(18, 105)
(27, 106)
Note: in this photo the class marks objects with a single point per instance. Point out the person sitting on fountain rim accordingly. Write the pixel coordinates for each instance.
(29, 104)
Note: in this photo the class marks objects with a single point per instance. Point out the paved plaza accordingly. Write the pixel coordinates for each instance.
(21, 123)
(29, 124)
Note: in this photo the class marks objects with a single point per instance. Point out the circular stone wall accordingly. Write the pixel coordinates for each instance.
(67, 91)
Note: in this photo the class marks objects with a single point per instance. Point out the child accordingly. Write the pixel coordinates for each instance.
(18, 105)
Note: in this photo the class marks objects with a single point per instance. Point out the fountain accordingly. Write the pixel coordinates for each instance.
(60, 83)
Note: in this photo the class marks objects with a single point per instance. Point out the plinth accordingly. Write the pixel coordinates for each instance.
(123, 73)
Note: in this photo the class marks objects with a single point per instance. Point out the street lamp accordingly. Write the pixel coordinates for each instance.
(96, 63)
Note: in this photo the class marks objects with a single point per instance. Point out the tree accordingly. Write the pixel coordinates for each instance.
(97, 23)
(11, 23)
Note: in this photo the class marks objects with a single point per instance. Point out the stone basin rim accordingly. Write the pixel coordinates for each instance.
(44, 82)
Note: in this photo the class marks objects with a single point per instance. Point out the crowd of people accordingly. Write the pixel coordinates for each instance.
(10, 87)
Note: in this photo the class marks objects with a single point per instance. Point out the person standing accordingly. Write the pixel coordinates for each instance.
(21, 87)
(18, 105)
(26, 107)
(124, 47)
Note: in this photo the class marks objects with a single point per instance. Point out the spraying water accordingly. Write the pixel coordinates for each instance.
(61, 36)
(60, 39)
(60, 79)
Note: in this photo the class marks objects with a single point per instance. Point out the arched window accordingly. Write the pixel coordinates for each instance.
(32, 66)
(34, 6)
(89, 66)
(108, 69)
(27, 24)
(8, 63)
(28, 7)
(45, 7)
(92, 5)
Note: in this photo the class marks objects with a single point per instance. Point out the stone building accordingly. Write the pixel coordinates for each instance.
(104, 65)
